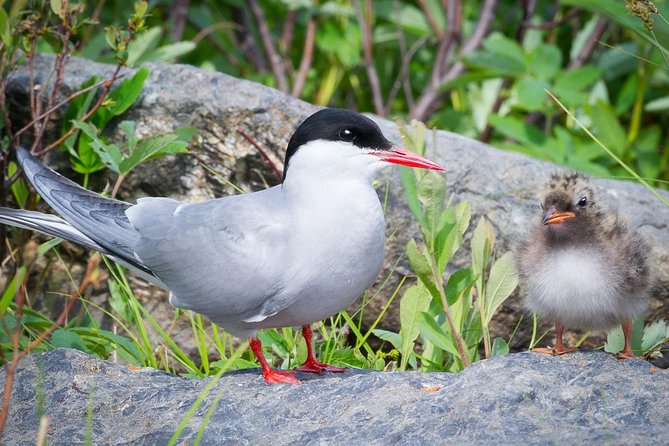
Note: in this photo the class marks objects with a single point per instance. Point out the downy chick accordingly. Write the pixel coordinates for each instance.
(584, 266)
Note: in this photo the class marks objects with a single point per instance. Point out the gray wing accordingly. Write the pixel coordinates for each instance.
(100, 218)
(221, 258)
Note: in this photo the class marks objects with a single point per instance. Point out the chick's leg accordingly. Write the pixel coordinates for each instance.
(559, 348)
(627, 352)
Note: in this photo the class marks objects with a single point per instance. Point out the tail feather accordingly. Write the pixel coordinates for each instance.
(47, 224)
(57, 227)
(101, 219)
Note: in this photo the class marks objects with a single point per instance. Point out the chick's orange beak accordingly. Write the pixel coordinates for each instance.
(553, 217)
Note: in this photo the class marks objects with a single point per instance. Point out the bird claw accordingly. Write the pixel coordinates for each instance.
(280, 376)
(554, 351)
(627, 355)
(313, 366)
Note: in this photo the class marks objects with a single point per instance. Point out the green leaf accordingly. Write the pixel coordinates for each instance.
(57, 7)
(47, 246)
(454, 223)
(495, 63)
(127, 92)
(500, 55)
(167, 53)
(118, 302)
(582, 37)
(654, 335)
(19, 187)
(5, 30)
(64, 338)
(570, 85)
(431, 194)
(12, 289)
(430, 330)
(421, 265)
(578, 79)
(656, 105)
(126, 349)
(459, 284)
(609, 129)
(648, 157)
(84, 160)
(341, 39)
(109, 154)
(517, 129)
(466, 79)
(110, 37)
(531, 94)
(615, 340)
(394, 338)
(151, 148)
(501, 283)
(500, 347)
(545, 61)
(143, 44)
(414, 301)
(482, 245)
(140, 9)
(128, 128)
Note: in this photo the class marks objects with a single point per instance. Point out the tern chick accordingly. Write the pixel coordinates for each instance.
(584, 266)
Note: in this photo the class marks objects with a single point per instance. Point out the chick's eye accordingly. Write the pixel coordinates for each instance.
(346, 135)
(583, 202)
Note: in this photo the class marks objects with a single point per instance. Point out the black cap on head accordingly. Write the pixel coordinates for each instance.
(337, 124)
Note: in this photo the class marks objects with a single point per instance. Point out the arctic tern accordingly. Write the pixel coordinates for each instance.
(286, 256)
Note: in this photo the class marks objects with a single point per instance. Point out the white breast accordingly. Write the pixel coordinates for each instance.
(576, 287)
(337, 244)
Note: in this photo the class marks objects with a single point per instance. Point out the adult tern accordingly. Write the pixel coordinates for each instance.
(289, 255)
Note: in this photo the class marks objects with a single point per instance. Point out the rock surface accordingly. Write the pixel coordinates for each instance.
(501, 185)
(582, 398)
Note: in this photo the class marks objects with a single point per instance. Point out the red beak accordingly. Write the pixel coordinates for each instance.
(398, 155)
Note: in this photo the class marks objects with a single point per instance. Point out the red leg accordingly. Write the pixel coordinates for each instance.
(559, 348)
(311, 365)
(627, 352)
(271, 376)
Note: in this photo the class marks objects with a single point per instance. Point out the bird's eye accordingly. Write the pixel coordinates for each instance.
(347, 135)
(583, 202)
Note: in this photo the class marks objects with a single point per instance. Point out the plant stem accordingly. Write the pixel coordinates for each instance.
(439, 280)
(117, 185)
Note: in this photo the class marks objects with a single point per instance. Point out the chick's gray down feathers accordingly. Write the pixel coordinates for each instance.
(590, 271)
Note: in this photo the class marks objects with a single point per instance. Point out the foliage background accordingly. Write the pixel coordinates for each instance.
(477, 68)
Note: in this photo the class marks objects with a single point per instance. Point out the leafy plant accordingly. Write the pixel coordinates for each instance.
(83, 157)
(451, 316)
(123, 161)
(646, 339)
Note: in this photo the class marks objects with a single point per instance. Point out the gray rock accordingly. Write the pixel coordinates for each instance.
(524, 398)
(500, 185)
